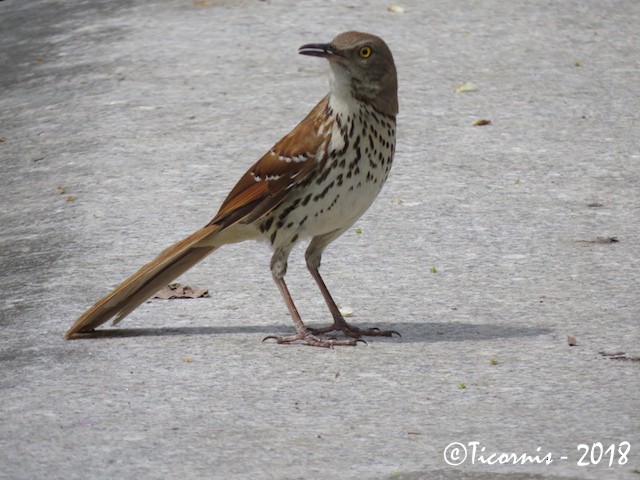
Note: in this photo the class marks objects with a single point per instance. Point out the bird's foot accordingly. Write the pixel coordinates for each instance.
(353, 331)
(310, 338)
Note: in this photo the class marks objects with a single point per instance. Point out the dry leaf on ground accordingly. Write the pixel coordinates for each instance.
(177, 290)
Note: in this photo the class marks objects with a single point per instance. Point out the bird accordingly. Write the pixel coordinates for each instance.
(312, 185)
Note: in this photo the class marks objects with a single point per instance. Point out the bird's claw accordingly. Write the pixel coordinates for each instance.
(355, 332)
(310, 339)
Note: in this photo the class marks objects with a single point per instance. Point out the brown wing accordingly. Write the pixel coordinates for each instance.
(270, 179)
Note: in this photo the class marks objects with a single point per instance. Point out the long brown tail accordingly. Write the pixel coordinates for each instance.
(167, 266)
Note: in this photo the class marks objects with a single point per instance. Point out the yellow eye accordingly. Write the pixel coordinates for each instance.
(365, 52)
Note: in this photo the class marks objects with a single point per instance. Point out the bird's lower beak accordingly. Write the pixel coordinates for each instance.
(323, 50)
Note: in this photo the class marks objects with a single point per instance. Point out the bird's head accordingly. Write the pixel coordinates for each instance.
(362, 67)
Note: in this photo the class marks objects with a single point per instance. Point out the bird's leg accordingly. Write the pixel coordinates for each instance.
(278, 269)
(313, 257)
(339, 323)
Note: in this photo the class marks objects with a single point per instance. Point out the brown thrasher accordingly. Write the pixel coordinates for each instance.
(314, 183)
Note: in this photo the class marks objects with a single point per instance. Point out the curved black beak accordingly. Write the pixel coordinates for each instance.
(323, 50)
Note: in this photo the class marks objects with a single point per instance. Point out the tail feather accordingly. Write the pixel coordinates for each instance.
(167, 266)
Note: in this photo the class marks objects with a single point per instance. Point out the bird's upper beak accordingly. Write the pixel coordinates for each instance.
(324, 50)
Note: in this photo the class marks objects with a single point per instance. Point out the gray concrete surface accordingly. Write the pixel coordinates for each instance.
(146, 113)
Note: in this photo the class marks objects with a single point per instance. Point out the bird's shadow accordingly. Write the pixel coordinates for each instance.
(428, 332)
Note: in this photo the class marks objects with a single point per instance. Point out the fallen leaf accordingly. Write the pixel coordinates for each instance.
(466, 87)
(571, 341)
(70, 198)
(620, 356)
(482, 122)
(395, 9)
(62, 190)
(177, 290)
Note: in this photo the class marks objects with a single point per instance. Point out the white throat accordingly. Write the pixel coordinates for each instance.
(341, 99)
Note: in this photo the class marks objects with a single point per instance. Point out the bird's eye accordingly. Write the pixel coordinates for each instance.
(365, 52)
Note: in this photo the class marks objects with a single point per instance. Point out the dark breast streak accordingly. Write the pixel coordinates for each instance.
(355, 168)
